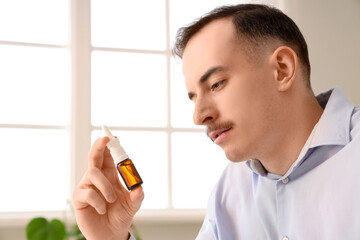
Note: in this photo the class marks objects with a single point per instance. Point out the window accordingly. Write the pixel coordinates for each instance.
(68, 67)
(34, 105)
(137, 90)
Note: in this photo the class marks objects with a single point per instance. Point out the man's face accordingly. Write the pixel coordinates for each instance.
(232, 96)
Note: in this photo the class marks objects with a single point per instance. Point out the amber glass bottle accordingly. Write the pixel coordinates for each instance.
(129, 173)
(124, 165)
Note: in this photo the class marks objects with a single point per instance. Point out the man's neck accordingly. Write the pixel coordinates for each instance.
(296, 129)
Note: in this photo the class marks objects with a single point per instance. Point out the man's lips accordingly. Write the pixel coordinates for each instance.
(215, 134)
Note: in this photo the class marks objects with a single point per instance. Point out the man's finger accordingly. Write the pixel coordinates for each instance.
(96, 154)
(95, 177)
(89, 197)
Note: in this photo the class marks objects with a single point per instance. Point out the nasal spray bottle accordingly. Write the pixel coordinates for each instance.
(124, 165)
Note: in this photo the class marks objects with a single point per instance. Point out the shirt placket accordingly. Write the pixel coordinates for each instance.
(282, 204)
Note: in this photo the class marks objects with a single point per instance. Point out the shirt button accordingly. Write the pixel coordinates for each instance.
(286, 238)
(285, 180)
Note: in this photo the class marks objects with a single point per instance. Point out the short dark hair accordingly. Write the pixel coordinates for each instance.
(255, 23)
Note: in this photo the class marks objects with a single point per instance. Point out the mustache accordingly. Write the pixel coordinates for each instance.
(218, 126)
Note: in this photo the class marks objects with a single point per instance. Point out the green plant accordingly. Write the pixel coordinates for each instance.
(135, 232)
(40, 228)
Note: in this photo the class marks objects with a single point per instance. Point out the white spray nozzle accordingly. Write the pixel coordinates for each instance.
(117, 151)
(107, 132)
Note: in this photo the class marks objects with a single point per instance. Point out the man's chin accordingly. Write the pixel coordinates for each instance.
(233, 157)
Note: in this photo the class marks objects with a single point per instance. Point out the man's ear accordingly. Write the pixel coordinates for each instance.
(285, 63)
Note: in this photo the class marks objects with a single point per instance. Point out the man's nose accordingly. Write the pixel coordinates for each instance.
(203, 112)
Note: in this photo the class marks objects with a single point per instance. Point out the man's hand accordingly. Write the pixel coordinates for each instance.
(104, 208)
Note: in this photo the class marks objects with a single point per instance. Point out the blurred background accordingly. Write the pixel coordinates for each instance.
(69, 66)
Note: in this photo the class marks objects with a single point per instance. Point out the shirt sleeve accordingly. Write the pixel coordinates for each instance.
(132, 237)
(207, 231)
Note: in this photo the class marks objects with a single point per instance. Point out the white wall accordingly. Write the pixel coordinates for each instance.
(332, 30)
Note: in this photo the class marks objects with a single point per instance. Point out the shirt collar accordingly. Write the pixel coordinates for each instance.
(334, 125)
(333, 128)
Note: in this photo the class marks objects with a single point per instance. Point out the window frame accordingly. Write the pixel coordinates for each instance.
(80, 127)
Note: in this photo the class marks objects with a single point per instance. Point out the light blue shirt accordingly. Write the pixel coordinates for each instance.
(318, 198)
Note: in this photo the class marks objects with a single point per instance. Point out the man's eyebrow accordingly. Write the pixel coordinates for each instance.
(206, 76)
(209, 72)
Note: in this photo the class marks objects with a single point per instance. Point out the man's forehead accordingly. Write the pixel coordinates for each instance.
(210, 44)
(217, 30)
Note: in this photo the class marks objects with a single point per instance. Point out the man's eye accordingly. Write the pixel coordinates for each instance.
(217, 85)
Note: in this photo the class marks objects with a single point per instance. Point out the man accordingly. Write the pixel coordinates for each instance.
(294, 157)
